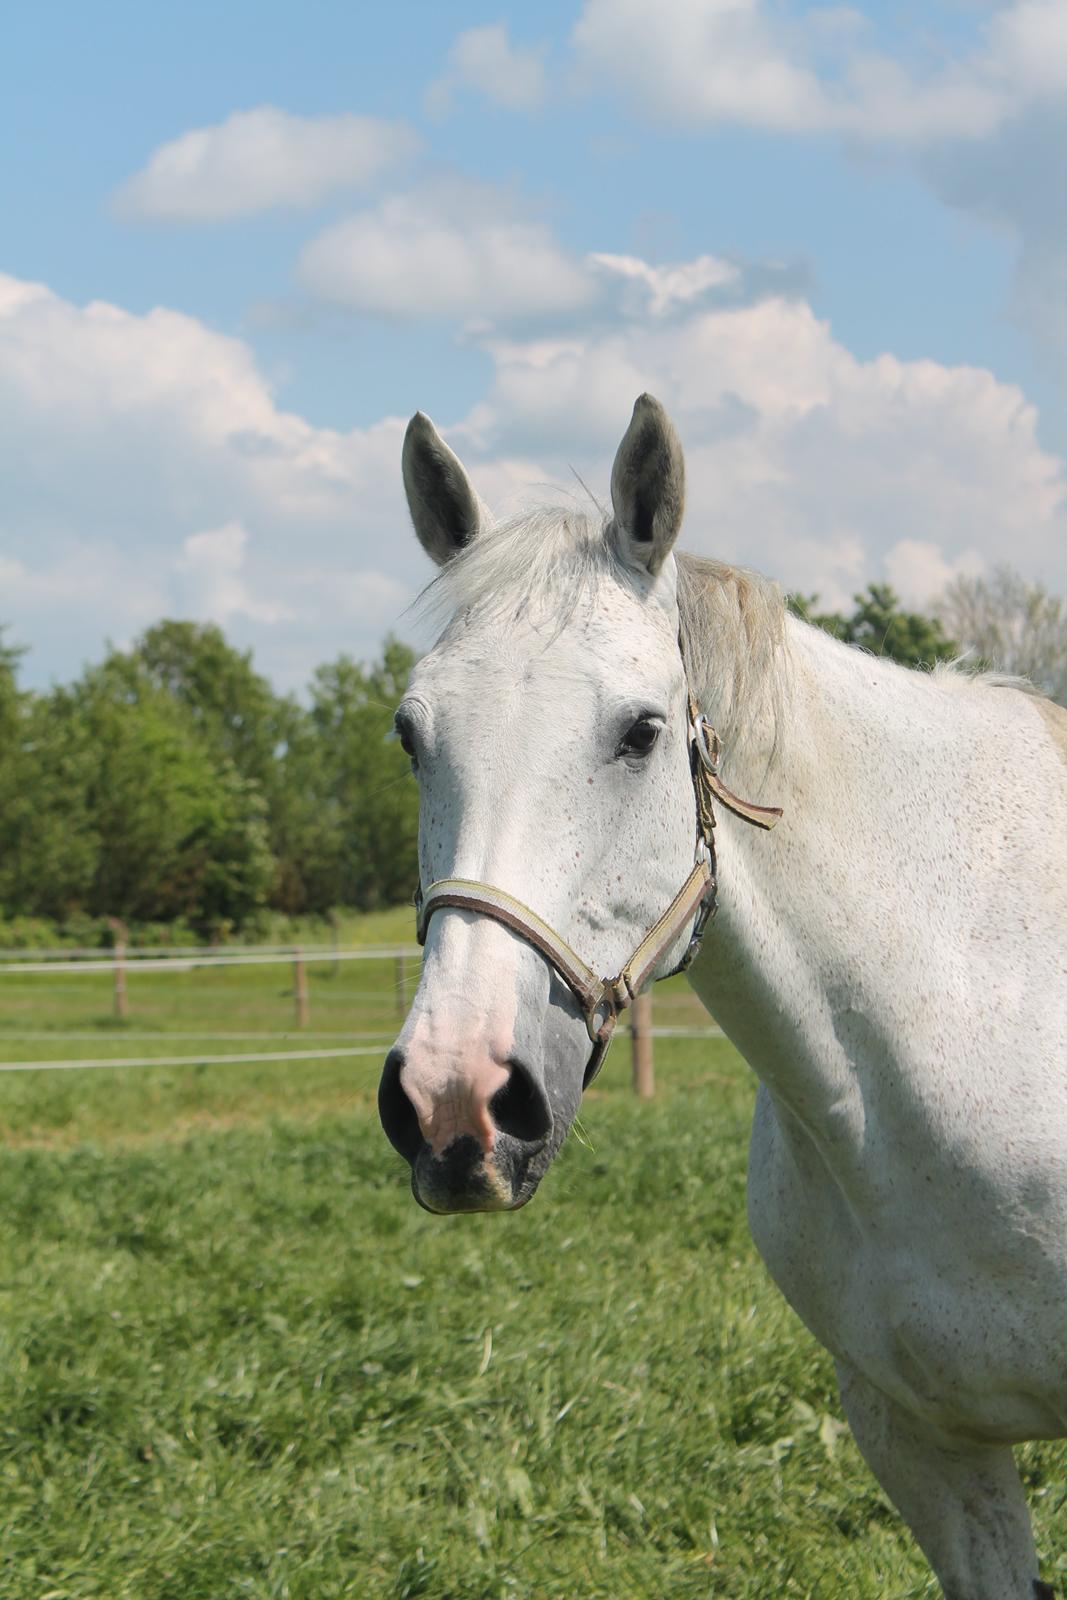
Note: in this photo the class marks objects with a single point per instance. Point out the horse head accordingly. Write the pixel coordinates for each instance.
(550, 733)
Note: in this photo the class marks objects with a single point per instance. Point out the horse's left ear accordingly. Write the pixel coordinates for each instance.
(648, 487)
(444, 506)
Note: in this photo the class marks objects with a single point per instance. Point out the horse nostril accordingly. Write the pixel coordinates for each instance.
(520, 1107)
(396, 1111)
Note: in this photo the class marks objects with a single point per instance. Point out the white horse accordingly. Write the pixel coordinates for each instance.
(891, 960)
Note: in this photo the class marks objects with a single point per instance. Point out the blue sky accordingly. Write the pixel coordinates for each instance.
(833, 239)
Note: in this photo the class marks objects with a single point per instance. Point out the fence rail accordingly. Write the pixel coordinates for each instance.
(190, 1061)
(75, 952)
(124, 964)
(186, 963)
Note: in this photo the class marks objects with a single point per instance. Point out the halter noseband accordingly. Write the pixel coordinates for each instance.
(603, 999)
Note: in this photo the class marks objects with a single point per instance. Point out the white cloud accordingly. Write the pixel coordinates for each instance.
(149, 470)
(80, 576)
(455, 251)
(803, 461)
(1028, 43)
(485, 60)
(987, 129)
(1017, 183)
(461, 251)
(919, 572)
(747, 62)
(260, 159)
(212, 565)
(697, 60)
(665, 288)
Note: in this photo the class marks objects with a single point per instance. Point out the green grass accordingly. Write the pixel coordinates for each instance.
(237, 1361)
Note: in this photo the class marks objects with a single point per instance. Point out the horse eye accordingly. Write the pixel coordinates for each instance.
(640, 739)
(407, 744)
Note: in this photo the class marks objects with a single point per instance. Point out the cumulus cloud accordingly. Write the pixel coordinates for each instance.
(819, 468)
(485, 60)
(697, 60)
(745, 61)
(462, 251)
(919, 572)
(1028, 40)
(665, 288)
(455, 251)
(261, 159)
(212, 564)
(1017, 183)
(986, 128)
(149, 469)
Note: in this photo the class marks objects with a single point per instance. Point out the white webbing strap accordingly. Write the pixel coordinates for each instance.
(664, 932)
(601, 999)
(468, 895)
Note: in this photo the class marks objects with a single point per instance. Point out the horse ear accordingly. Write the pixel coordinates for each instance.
(446, 511)
(648, 487)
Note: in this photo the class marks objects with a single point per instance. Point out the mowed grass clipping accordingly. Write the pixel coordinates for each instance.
(236, 1359)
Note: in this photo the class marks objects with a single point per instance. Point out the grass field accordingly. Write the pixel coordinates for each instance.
(237, 1361)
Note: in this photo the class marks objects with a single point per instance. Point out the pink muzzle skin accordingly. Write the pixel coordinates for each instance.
(451, 1105)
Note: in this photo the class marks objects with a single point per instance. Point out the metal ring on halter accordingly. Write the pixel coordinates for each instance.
(598, 1031)
(709, 757)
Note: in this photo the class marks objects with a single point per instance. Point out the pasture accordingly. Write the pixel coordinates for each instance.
(237, 1361)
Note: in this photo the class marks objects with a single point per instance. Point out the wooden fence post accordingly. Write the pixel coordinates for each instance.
(300, 988)
(644, 1081)
(401, 985)
(122, 1004)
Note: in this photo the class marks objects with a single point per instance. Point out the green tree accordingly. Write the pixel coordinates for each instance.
(47, 843)
(233, 706)
(13, 704)
(125, 811)
(10, 695)
(370, 797)
(268, 738)
(881, 625)
(306, 828)
(170, 781)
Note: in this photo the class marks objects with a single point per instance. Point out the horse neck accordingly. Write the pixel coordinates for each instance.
(815, 915)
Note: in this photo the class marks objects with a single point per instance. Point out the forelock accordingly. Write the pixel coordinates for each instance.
(540, 564)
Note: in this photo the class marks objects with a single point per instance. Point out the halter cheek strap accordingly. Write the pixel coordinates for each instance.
(603, 999)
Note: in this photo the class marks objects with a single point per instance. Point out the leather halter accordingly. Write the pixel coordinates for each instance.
(602, 999)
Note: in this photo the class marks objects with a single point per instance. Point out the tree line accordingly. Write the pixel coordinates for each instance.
(170, 786)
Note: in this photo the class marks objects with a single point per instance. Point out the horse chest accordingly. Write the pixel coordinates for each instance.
(963, 1323)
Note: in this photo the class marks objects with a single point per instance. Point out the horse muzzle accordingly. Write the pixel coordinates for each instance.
(477, 1140)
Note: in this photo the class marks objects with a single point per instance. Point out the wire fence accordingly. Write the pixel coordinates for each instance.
(167, 989)
(119, 961)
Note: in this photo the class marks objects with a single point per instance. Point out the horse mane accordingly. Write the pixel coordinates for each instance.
(545, 561)
(732, 628)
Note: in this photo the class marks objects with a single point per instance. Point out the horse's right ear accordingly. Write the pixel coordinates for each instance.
(444, 507)
(648, 487)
